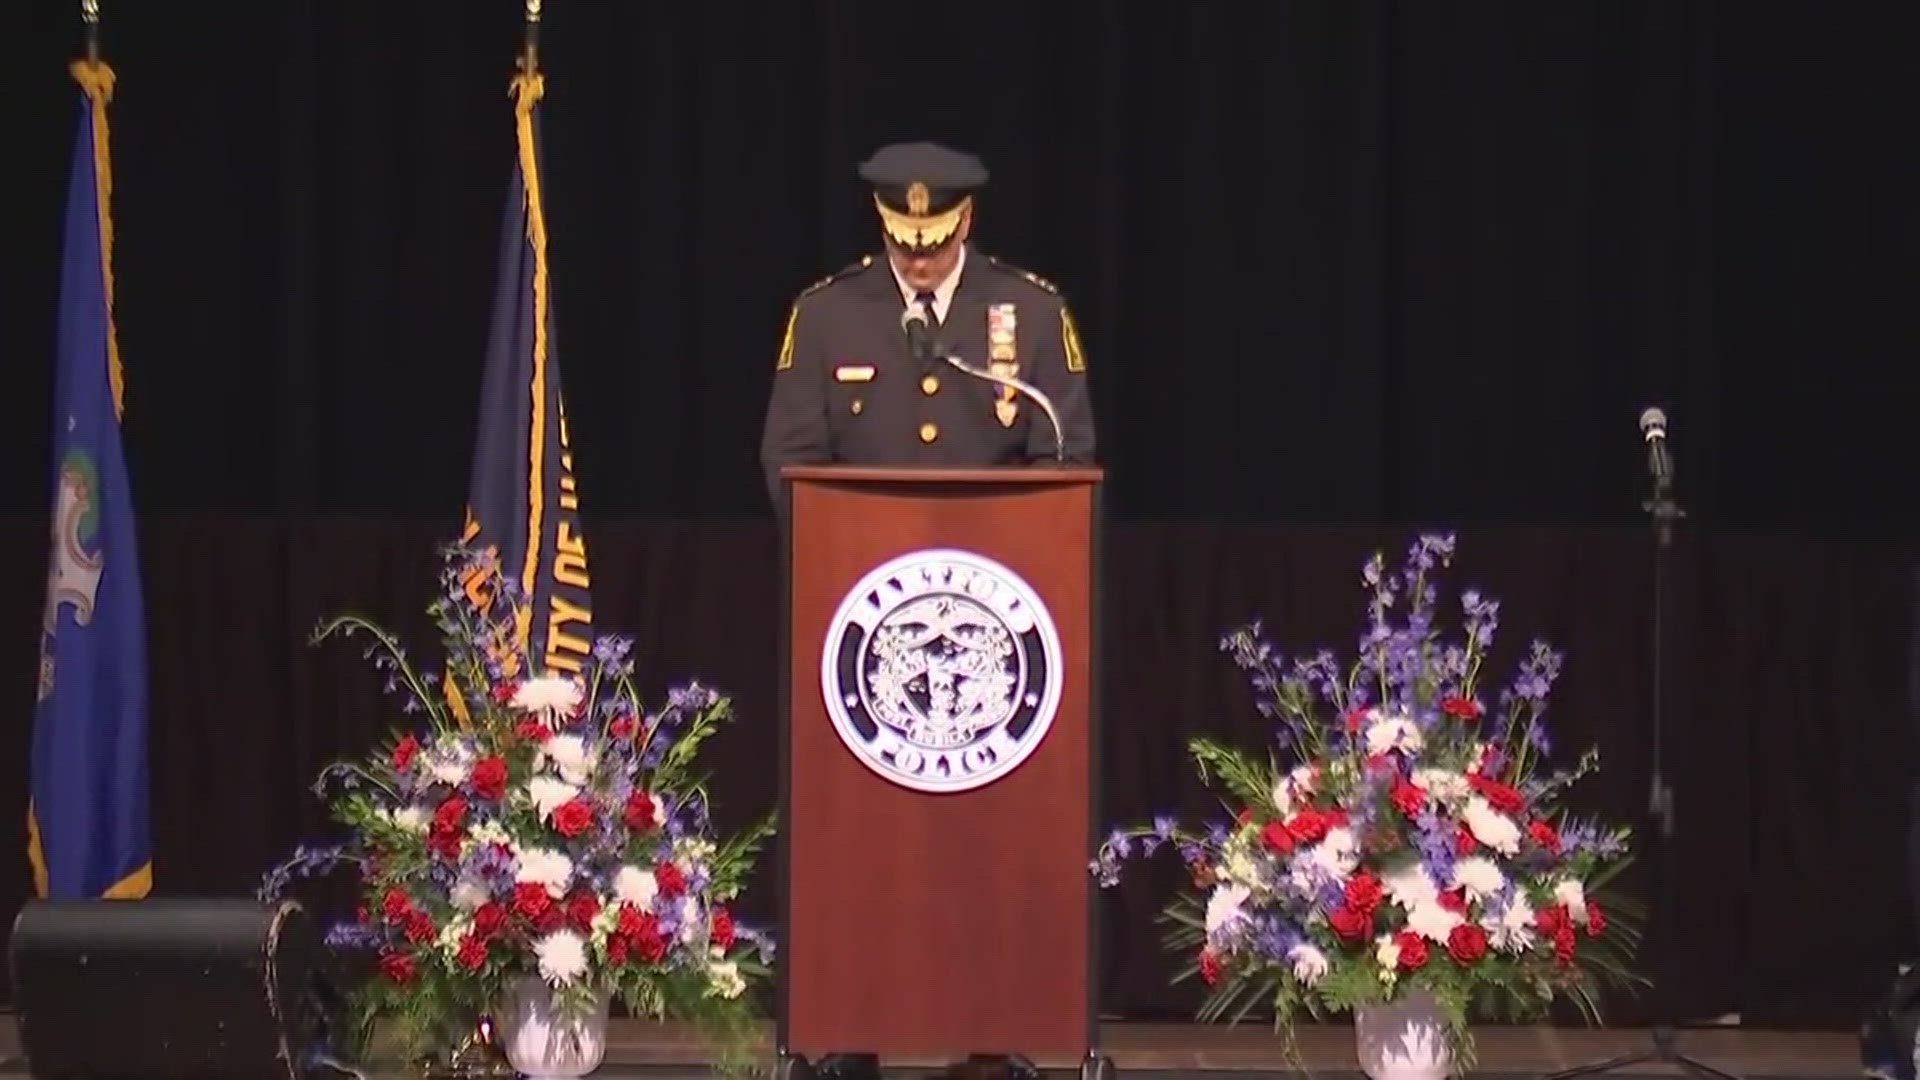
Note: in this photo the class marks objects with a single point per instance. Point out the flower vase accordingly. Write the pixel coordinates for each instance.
(1403, 1039)
(542, 1040)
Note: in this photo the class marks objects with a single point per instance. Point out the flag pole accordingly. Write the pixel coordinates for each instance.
(90, 17)
(530, 53)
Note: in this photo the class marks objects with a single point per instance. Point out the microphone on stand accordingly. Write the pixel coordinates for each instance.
(915, 321)
(1031, 391)
(1653, 428)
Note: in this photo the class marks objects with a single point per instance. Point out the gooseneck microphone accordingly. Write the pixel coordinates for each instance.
(1653, 428)
(919, 339)
(921, 342)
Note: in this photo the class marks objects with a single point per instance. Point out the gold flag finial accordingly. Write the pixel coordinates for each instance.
(530, 50)
(90, 16)
(533, 11)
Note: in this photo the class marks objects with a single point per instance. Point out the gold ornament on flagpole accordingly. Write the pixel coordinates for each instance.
(530, 54)
(90, 15)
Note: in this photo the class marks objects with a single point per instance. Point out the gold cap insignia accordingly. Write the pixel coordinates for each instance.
(917, 198)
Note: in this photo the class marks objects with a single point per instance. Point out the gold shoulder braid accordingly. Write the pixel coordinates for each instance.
(793, 311)
(1029, 275)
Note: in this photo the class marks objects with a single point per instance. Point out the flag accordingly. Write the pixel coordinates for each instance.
(87, 830)
(522, 500)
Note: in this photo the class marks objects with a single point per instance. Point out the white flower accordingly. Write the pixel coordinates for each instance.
(1338, 853)
(1512, 931)
(1409, 885)
(691, 924)
(563, 957)
(724, 975)
(1491, 827)
(1309, 963)
(413, 819)
(1296, 784)
(549, 794)
(1387, 952)
(1442, 784)
(636, 887)
(490, 831)
(571, 755)
(1571, 893)
(1479, 876)
(451, 935)
(1283, 798)
(1393, 733)
(469, 893)
(542, 866)
(554, 695)
(450, 766)
(1223, 907)
(1238, 867)
(1433, 922)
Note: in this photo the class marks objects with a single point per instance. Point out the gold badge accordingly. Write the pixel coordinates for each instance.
(1002, 353)
(917, 198)
(853, 373)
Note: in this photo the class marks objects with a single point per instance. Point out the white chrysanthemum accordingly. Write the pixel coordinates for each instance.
(636, 887)
(450, 766)
(1393, 733)
(554, 695)
(1309, 963)
(1491, 827)
(1338, 853)
(1479, 876)
(1224, 906)
(571, 755)
(1409, 885)
(543, 866)
(548, 794)
(724, 975)
(1442, 784)
(1512, 930)
(468, 893)
(1571, 893)
(413, 819)
(1433, 922)
(692, 926)
(563, 957)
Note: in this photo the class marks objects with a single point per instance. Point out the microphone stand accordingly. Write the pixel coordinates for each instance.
(1021, 386)
(1663, 512)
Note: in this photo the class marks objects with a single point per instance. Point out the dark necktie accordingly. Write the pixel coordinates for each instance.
(926, 299)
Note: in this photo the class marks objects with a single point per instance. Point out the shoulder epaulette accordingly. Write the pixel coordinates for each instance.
(1030, 276)
(850, 269)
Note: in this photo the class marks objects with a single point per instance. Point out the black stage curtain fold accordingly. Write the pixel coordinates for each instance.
(1785, 744)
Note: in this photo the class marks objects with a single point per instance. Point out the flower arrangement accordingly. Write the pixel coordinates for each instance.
(1402, 838)
(533, 827)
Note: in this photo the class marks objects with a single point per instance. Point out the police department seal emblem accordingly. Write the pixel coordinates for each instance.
(941, 671)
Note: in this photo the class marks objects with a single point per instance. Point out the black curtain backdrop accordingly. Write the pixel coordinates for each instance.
(1343, 269)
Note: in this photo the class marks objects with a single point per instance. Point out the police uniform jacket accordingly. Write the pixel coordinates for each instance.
(848, 390)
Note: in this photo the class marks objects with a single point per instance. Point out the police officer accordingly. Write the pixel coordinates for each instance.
(849, 388)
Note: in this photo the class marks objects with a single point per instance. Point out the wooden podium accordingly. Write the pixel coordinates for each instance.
(939, 812)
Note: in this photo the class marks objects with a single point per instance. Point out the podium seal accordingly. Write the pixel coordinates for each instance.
(941, 671)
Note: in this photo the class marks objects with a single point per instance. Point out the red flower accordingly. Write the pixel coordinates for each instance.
(573, 817)
(1454, 900)
(1463, 842)
(642, 932)
(1364, 893)
(671, 881)
(1463, 708)
(397, 966)
(1413, 950)
(640, 811)
(622, 726)
(582, 908)
(396, 905)
(1351, 925)
(1596, 920)
(1563, 945)
(533, 730)
(1309, 826)
(473, 952)
(419, 927)
(445, 844)
(1467, 943)
(551, 919)
(503, 693)
(1504, 799)
(1551, 919)
(1276, 837)
(490, 777)
(1209, 966)
(1355, 717)
(362, 915)
(404, 750)
(1246, 816)
(1545, 834)
(450, 814)
(617, 949)
(490, 919)
(531, 900)
(1411, 800)
(723, 931)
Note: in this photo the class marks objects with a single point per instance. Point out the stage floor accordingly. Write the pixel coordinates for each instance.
(662, 1051)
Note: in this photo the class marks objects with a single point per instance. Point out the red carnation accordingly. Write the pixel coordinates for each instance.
(531, 900)
(551, 919)
(1276, 837)
(723, 931)
(419, 927)
(582, 908)
(1351, 925)
(1545, 835)
(1209, 967)
(573, 817)
(671, 881)
(397, 966)
(1596, 920)
(503, 693)
(622, 726)
(1454, 900)
(640, 811)
(1413, 950)
(1467, 943)
(642, 932)
(1364, 893)
(1551, 919)
(1563, 945)
(1355, 717)
(533, 731)
(473, 952)
(450, 814)
(404, 750)
(1309, 826)
(1411, 800)
(617, 949)
(1463, 842)
(1504, 799)
(1463, 708)
(396, 905)
(490, 919)
(1246, 816)
(490, 777)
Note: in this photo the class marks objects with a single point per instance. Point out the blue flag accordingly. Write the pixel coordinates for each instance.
(87, 832)
(522, 500)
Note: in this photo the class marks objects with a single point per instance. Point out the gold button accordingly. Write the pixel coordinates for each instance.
(930, 385)
(928, 433)
(857, 406)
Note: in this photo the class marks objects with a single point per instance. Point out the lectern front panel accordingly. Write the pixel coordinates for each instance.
(939, 805)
